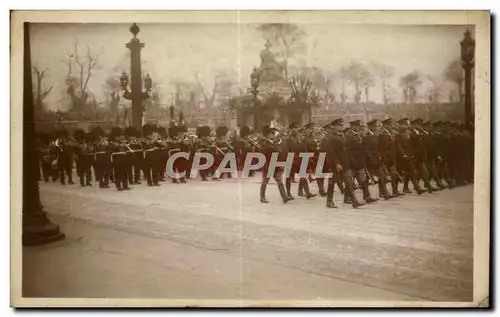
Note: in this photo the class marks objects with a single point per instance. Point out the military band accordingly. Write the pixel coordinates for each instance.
(438, 154)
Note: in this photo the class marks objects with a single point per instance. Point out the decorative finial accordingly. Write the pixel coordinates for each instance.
(134, 29)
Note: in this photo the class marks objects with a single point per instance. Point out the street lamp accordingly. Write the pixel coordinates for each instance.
(468, 45)
(254, 82)
(136, 94)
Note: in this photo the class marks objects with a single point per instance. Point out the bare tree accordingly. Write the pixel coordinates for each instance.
(40, 92)
(84, 64)
(344, 78)
(434, 90)
(368, 82)
(359, 76)
(383, 72)
(454, 73)
(321, 82)
(286, 37)
(410, 84)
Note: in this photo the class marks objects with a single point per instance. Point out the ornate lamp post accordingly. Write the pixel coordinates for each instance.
(254, 82)
(37, 228)
(135, 94)
(468, 45)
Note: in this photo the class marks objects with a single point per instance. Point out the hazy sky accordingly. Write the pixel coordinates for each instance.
(179, 51)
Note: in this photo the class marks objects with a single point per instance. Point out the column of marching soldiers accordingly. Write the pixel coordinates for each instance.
(438, 154)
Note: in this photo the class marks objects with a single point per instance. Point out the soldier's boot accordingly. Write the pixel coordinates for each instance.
(341, 186)
(351, 198)
(89, 181)
(125, 183)
(283, 194)
(347, 198)
(263, 193)
(300, 191)
(367, 196)
(330, 203)
(251, 173)
(118, 185)
(70, 177)
(62, 178)
(288, 184)
(429, 186)
(417, 187)
(321, 186)
(183, 180)
(395, 190)
(82, 180)
(305, 185)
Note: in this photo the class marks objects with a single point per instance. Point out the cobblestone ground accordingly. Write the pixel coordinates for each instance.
(216, 240)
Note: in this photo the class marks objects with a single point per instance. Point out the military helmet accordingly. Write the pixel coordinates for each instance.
(244, 131)
(97, 132)
(79, 134)
(132, 131)
(221, 131)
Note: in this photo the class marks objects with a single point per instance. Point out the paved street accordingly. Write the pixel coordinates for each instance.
(214, 240)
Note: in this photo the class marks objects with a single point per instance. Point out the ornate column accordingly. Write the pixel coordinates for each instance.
(136, 94)
(37, 228)
(468, 45)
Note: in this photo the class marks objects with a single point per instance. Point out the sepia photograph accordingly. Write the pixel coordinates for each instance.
(250, 158)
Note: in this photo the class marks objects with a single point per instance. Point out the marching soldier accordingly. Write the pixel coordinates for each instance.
(101, 158)
(295, 146)
(204, 145)
(338, 163)
(64, 157)
(374, 163)
(272, 143)
(176, 146)
(48, 155)
(221, 147)
(417, 141)
(357, 158)
(312, 145)
(137, 155)
(151, 156)
(84, 157)
(386, 141)
(404, 157)
(430, 137)
(119, 159)
(162, 153)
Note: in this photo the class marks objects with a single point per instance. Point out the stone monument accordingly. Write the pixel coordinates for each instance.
(272, 79)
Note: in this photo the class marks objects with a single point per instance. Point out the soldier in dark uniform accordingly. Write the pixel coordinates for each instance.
(47, 156)
(84, 157)
(430, 137)
(312, 145)
(176, 146)
(272, 144)
(357, 158)
(386, 141)
(151, 154)
(242, 146)
(296, 146)
(205, 146)
(119, 159)
(101, 157)
(404, 157)
(374, 162)
(418, 144)
(221, 147)
(64, 157)
(162, 153)
(338, 163)
(137, 155)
